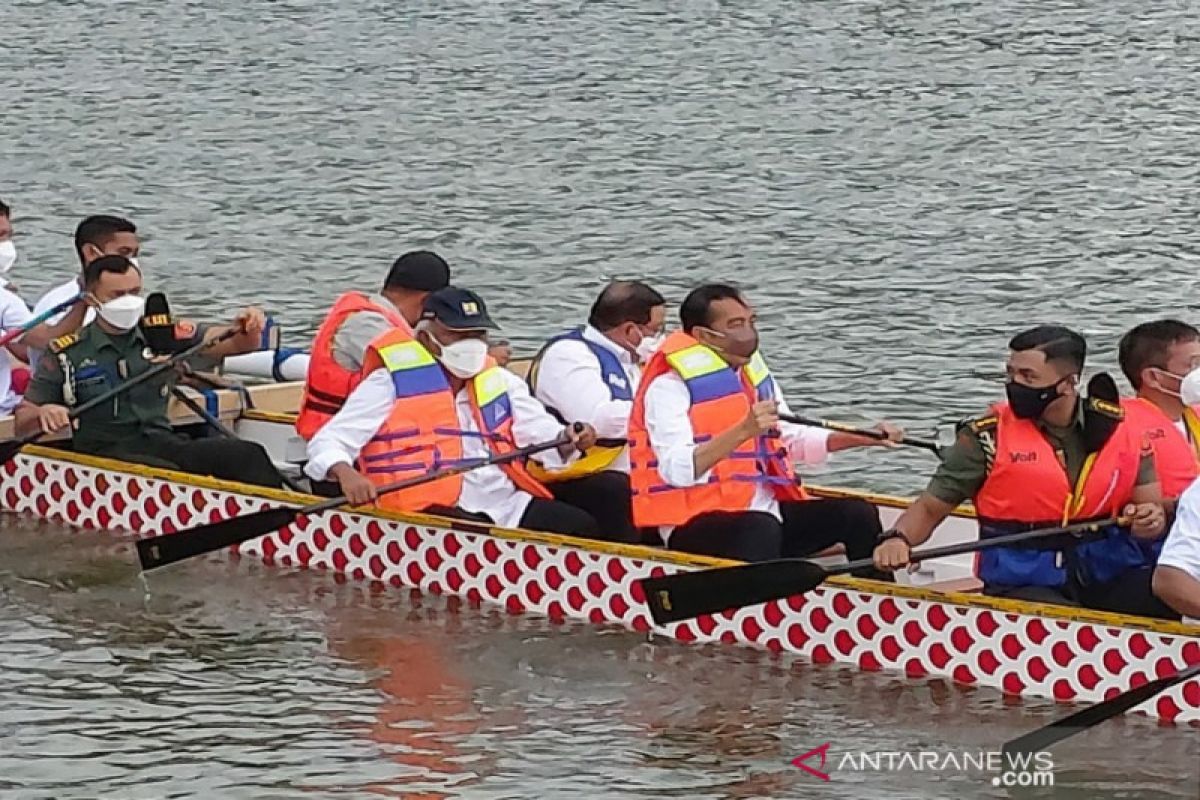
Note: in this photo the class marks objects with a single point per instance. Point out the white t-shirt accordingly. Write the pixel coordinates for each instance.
(56, 296)
(13, 314)
(1182, 546)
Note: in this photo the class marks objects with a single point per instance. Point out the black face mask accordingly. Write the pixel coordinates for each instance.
(1030, 402)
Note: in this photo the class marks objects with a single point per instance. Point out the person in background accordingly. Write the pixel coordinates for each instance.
(356, 319)
(8, 249)
(591, 374)
(710, 460)
(134, 426)
(434, 399)
(1177, 576)
(96, 236)
(1158, 358)
(1045, 459)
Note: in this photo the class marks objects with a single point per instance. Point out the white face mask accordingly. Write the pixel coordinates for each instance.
(648, 345)
(8, 256)
(123, 313)
(465, 358)
(1189, 390)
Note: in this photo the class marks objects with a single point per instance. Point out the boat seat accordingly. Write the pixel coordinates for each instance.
(970, 585)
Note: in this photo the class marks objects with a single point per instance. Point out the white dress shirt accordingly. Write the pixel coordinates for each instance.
(672, 439)
(59, 294)
(13, 314)
(487, 490)
(571, 382)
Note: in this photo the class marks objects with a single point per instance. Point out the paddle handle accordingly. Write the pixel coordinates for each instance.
(907, 441)
(984, 544)
(408, 483)
(38, 320)
(136, 380)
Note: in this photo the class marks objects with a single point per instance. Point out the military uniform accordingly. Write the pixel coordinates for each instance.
(965, 468)
(134, 426)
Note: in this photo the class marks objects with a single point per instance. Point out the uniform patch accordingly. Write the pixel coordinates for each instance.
(1106, 408)
(185, 329)
(984, 423)
(63, 342)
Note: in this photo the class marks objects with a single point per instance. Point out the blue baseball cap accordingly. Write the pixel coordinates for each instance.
(458, 309)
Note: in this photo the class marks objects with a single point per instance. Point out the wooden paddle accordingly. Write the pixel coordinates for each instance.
(1080, 721)
(8, 450)
(924, 444)
(684, 595)
(38, 320)
(159, 551)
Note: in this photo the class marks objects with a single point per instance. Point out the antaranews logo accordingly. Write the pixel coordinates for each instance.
(1009, 770)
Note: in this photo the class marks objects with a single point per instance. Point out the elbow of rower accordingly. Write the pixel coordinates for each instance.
(1177, 589)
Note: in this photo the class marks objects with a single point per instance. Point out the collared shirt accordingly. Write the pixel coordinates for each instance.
(571, 382)
(13, 314)
(486, 490)
(56, 296)
(672, 439)
(1181, 549)
(356, 332)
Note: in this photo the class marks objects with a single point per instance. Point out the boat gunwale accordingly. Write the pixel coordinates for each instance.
(638, 552)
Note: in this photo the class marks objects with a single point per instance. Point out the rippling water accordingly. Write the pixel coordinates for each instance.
(898, 186)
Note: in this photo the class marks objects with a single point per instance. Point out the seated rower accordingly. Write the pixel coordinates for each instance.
(134, 426)
(356, 320)
(1177, 576)
(1045, 459)
(1161, 361)
(433, 399)
(710, 461)
(591, 374)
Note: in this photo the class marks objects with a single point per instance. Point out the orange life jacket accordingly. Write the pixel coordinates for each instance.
(1027, 487)
(328, 384)
(422, 433)
(1176, 457)
(721, 397)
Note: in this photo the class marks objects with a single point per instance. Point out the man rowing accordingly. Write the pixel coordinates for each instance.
(1042, 459)
(1158, 358)
(356, 319)
(1177, 575)
(111, 350)
(710, 460)
(434, 399)
(591, 374)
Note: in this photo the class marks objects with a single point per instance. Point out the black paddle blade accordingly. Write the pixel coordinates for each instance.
(709, 591)
(159, 551)
(1066, 727)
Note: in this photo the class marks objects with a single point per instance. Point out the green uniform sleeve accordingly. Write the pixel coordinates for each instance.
(200, 362)
(1146, 473)
(962, 471)
(46, 385)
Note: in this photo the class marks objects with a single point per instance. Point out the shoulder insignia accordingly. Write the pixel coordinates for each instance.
(185, 329)
(63, 342)
(1112, 410)
(980, 424)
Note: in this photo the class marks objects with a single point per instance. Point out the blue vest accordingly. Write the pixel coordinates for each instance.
(610, 366)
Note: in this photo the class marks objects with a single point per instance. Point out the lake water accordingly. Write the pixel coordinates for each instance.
(898, 187)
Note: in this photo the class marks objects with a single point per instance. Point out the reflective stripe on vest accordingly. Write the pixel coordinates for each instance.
(494, 415)
(1176, 457)
(598, 458)
(720, 399)
(328, 384)
(1027, 487)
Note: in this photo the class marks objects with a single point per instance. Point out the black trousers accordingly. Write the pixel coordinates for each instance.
(807, 528)
(607, 497)
(229, 459)
(541, 515)
(1130, 593)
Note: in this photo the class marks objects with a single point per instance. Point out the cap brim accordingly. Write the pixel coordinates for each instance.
(473, 325)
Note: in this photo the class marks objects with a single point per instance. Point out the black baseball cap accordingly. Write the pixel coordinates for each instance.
(420, 270)
(458, 309)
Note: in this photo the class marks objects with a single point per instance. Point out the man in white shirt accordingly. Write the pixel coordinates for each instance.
(1177, 575)
(711, 460)
(591, 374)
(8, 250)
(96, 236)
(433, 399)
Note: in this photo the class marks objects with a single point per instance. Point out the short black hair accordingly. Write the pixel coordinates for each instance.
(418, 271)
(1058, 343)
(696, 309)
(5, 211)
(118, 264)
(98, 229)
(1146, 345)
(624, 301)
